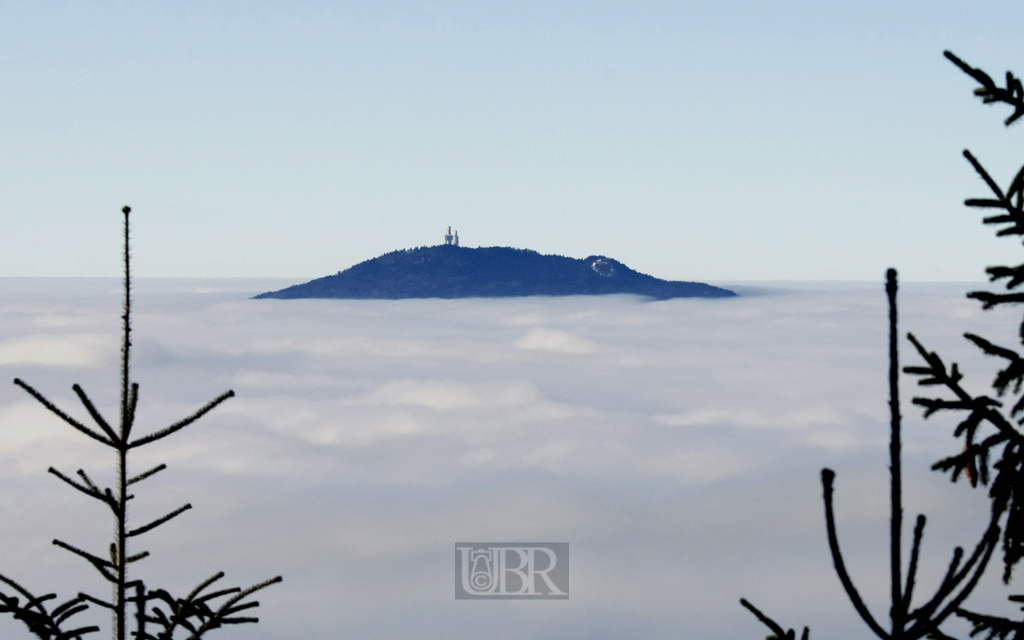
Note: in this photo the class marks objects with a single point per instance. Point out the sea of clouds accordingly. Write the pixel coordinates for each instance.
(676, 446)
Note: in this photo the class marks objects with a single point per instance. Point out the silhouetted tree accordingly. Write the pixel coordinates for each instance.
(158, 615)
(989, 431)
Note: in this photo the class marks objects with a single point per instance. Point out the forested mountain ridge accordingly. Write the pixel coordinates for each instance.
(451, 271)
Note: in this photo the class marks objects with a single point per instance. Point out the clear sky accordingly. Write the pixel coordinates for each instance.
(690, 140)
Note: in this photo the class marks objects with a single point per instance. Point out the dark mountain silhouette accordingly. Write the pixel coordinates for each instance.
(450, 271)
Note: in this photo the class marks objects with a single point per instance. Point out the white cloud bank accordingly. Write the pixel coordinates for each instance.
(81, 351)
(554, 340)
(675, 445)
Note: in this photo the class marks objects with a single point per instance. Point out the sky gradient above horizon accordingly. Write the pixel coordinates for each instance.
(696, 141)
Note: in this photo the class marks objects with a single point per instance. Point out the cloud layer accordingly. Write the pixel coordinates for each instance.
(675, 445)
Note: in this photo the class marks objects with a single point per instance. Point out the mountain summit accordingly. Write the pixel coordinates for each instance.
(451, 271)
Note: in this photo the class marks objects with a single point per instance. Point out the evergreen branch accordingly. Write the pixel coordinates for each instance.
(980, 409)
(70, 611)
(67, 606)
(1005, 498)
(968, 461)
(100, 564)
(85, 554)
(986, 446)
(94, 600)
(989, 299)
(935, 373)
(158, 617)
(136, 557)
(242, 607)
(933, 405)
(238, 620)
(925, 611)
(219, 617)
(195, 615)
(827, 477)
(217, 594)
(984, 176)
(76, 633)
(192, 613)
(133, 401)
(898, 608)
(1014, 371)
(980, 557)
(979, 75)
(159, 521)
(95, 414)
(205, 583)
(997, 420)
(991, 349)
(91, 492)
(995, 627)
(38, 600)
(88, 481)
(1014, 215)
(915, 550)
(987, 203)
(17, 587)
(974, 458)
(768, 622)
(45, 625)
(1012, 95)
(143, 476)
(182, 423)
(63, 416)
(140, 608)
(927, 622)
(998, 218)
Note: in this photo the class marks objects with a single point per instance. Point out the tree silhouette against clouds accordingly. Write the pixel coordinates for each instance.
(158, 615)
(990, 429)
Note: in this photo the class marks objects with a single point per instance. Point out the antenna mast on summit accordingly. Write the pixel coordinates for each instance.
(450, 239)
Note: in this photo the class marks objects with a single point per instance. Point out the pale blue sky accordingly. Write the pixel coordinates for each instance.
(711, 141)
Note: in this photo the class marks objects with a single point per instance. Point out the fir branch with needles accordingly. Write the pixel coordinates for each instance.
(989, 426)
(172, 618)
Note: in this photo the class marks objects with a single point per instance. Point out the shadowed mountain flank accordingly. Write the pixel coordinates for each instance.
(451, 271)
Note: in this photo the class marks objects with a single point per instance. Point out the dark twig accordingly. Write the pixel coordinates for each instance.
(827, 477)
(159, 521)
(181, 424)
(63, 416)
